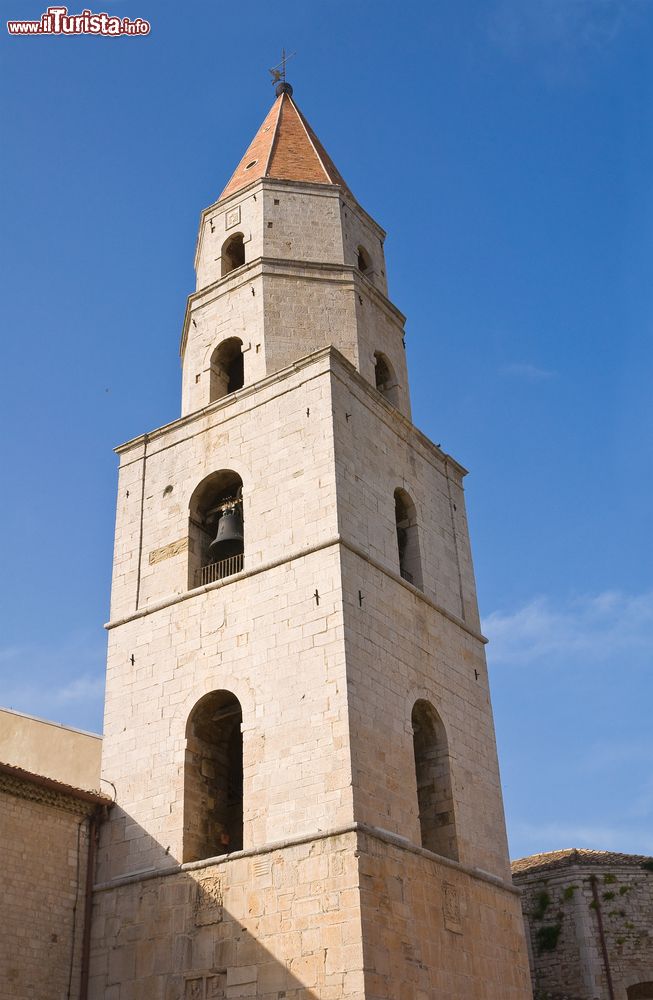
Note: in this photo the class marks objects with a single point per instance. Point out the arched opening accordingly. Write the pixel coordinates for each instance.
(641, 991)
(213, 778)
(233, 253)
(363, 261)
(216, 541)
(385, 379)
(433, 775)
(407, 540)
(227, 368)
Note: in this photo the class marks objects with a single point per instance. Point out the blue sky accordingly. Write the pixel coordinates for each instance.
(507, 148)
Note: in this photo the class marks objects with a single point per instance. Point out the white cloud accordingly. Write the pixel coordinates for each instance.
(533, 838)
(528, 371)
(519, 26)
(64, 683)
(83, 688)
(591, 628)
(597, 757)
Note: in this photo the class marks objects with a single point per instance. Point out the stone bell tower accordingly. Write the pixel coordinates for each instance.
(298, 723)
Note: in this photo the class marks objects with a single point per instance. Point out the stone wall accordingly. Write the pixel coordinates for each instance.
(280, 923)
(342, 916)
(299, 290)
(44, 837)
(326, 649)
(562, 918)
(320, 456)
(433, 929)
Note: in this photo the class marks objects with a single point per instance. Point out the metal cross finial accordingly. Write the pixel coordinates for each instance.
(278, 72)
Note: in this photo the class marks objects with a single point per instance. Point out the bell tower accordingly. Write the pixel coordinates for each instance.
(298, 723)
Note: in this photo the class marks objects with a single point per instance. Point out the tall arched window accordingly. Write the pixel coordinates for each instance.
(385, 379)
(227, 369)
(213, 778)
(216, 541)
(407, 540)
(433, 775)
(233, 253)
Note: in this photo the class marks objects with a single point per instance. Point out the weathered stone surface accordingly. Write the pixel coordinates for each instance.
(565, 915)
(166, 551)
(44, 850)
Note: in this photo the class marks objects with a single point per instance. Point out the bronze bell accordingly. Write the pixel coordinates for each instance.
(229, 540)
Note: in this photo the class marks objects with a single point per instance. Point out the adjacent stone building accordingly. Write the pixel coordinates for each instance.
(48, 833)
(589, 917)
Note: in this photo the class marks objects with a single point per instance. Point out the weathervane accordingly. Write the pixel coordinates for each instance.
(278, 74)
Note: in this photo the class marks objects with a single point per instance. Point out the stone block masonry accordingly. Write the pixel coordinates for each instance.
(589, 919)
(44, 832)
(298, 722)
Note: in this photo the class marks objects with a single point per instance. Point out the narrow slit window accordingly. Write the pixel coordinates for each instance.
(407, 539)
(385, 379)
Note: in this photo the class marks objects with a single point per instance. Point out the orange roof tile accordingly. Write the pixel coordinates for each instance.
(575, 856)
(11, 770)
(284, 148)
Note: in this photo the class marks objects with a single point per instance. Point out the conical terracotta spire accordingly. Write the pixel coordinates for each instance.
(284, 148)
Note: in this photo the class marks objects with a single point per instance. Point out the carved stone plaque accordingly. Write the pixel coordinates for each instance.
(208, 901)
(232, 217)
(194, 989)
(214, 988)
(451, 908)
(173, 549)
(206, 987)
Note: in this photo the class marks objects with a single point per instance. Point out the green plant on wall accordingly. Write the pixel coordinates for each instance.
(542, 903)
(569, 892)
(547, 936)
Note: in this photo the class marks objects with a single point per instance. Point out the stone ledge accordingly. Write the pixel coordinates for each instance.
(298, 270)
(384, 836)
(299, 554)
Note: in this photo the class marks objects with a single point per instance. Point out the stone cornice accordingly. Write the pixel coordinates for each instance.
(392, 416)
(247, 390)
(361, 829)
(305, 270)
(300, 553)
(328, 190)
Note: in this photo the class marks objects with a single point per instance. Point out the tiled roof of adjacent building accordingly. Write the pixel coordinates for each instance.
(18, 774)
(576, 856)
(284, 148)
